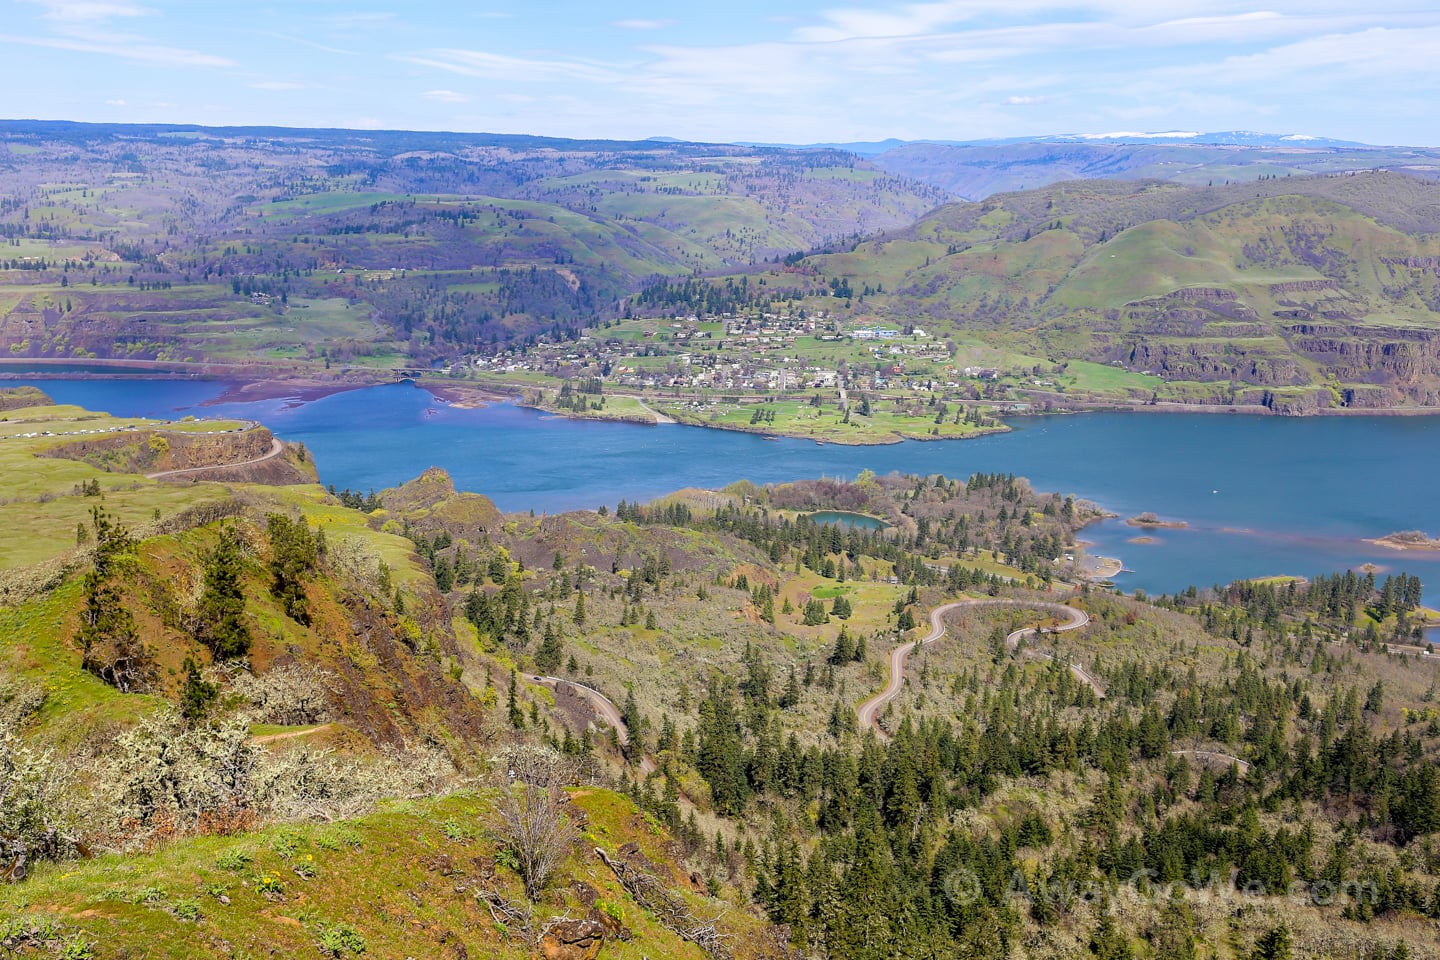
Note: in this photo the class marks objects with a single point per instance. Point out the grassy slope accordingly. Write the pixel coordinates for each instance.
(413, 898)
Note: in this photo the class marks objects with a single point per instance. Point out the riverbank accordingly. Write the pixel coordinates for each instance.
(1407, 540)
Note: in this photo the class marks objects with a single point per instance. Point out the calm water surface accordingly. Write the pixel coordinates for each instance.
(1261, 495)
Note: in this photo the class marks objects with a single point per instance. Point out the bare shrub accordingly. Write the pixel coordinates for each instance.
(19, 701)
(292, 694)
(37, 813)
(164, 779)
(310, 784)
(530, 815)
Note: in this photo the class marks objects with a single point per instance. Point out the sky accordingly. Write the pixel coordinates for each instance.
(742, 70)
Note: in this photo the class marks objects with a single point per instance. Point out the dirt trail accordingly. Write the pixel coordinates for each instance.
(1075, 619)
(292, 734)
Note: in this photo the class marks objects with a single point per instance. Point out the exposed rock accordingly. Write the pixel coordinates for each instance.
(614, 929)
(17, 398)
(571, 940)
(431, 502)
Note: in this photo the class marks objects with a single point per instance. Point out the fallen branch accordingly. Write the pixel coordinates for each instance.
(673, 913)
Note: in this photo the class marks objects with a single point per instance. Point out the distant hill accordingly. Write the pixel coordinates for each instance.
(178, 225)
(1313, 291)
(977, 170)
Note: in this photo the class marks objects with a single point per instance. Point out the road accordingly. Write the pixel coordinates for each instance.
(292, 734)
(1224, 759)
(1074, 620)
(659, 417)
(276, 448)
(604, 708)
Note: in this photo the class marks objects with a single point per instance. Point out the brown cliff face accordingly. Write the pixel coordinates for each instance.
(1205, 362)
(1403, 364)
(227, 455)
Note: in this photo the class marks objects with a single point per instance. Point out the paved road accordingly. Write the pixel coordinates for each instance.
(867, 711)
(276, 448)
(604, 708)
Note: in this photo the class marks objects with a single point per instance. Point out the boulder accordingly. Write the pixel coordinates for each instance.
(572, 940)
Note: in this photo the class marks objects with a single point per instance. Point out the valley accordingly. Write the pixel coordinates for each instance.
(460, 545)
(399, 651)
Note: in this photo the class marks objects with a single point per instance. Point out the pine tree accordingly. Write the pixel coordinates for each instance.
(197, 695)
(579, 616)
(220, 616)
(551, 650)
(517, 716)
(110, 642)
(634, 728)
(1274, 945)
(294, 555)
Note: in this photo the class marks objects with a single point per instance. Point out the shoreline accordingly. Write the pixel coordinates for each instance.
(1392, 542)
(245, 383)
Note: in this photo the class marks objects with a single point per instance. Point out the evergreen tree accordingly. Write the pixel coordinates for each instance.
(634, 728)
(1274, 945)
(551, 651)
(220, 617)
(294, 555)
(197, 695)
(110, 642)
(517, 716)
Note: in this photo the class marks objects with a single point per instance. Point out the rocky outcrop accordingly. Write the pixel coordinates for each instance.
(150, 451)
(17, 398)
(431, 502)
(1206, 362)
(571, 940)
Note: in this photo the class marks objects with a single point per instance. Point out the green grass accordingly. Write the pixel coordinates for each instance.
(36, 643)
(40, 507)
(167, 904)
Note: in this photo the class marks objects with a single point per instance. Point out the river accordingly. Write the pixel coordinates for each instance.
(1261, 495)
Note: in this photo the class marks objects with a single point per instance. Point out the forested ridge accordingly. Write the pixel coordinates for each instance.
(1242, 770)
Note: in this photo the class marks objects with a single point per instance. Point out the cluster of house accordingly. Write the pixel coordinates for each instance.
(681, 355)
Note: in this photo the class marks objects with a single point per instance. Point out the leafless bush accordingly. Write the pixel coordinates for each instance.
(310, 784)
(19, 701)
(292, 694)
(164, 779)
(37, 812)
(530, 817)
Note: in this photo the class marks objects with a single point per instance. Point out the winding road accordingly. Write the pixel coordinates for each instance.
(276, 448)
(1224, 760)
(604, 708)
(1074, 620)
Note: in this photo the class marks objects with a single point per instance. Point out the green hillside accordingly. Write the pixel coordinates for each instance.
(1294, 293)
(323, 723)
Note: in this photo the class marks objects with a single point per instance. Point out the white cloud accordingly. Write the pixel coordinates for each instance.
(445, 96)
(1025, 101)
(123, 48)
(84, 26)
(115, 103)
(640, 24)
(87, 11)
(497, 66)
(277, 85)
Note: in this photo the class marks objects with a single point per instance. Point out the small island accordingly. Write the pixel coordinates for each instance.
(1407, 540)
(1148, 519)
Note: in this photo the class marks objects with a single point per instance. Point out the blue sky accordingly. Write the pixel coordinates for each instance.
(742, 70)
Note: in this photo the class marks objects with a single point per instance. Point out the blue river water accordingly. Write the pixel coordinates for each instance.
(1260, 495)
